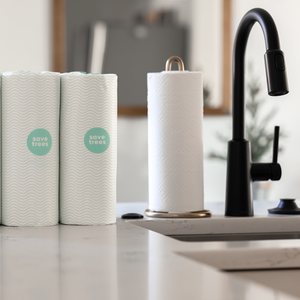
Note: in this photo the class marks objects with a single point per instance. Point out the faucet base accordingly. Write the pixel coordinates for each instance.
(239, 184)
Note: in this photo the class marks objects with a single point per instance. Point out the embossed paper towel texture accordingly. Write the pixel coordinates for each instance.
(175, 148)
(88, 148)
(30, 149)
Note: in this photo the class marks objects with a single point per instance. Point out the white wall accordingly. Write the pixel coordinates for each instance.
(25, 35)
(206, 32)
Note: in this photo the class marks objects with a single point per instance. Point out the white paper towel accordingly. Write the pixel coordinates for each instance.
(30, 150)
(175, 147)
(88, 148)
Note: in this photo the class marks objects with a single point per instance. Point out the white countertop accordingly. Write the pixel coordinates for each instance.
(126, 262)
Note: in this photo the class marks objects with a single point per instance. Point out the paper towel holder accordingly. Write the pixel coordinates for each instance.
(178, 60)
(182, 215)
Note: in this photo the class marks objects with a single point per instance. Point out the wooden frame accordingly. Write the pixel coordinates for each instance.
(59, 58)
(226, 88)
(58, 36)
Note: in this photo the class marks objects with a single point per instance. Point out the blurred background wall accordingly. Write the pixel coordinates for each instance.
(25, 34)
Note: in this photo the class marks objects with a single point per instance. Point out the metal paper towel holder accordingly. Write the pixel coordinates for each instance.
(164, 214)
(179, 62)
(182, 215)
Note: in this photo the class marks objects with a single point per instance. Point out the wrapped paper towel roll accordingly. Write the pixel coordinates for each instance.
(88, 148)
(175, 150)
(30, 149)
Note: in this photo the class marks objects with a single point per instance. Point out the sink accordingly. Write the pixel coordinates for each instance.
(278, 269)
(221, 228)
(236, 237)
(286, 281)
(248, 250)
(261, 226)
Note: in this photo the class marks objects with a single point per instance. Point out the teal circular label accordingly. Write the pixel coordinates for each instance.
(39, 142)
(96, 140)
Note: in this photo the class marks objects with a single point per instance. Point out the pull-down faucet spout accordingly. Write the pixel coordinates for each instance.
(240, 171)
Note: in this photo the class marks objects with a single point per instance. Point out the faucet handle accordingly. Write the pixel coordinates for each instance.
(275, 144)
(266, 171)
(275, 167)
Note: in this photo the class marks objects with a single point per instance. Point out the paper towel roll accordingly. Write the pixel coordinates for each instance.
(175, 148)
(88, 144)
(30, 150)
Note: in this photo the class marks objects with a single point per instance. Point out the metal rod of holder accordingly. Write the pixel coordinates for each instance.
(178, 60)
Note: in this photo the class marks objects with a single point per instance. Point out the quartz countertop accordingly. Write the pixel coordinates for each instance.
(127, 262)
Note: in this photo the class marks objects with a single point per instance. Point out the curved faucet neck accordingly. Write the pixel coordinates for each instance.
(272, 42)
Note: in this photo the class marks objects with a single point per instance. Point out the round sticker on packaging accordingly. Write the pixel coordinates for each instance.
(96, 140)
(39, 142)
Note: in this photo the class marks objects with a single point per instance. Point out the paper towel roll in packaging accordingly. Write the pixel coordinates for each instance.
(88, 141)
(175, 147)
(30, 149)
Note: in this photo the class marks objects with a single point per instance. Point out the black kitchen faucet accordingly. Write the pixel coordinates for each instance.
(241, 172)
